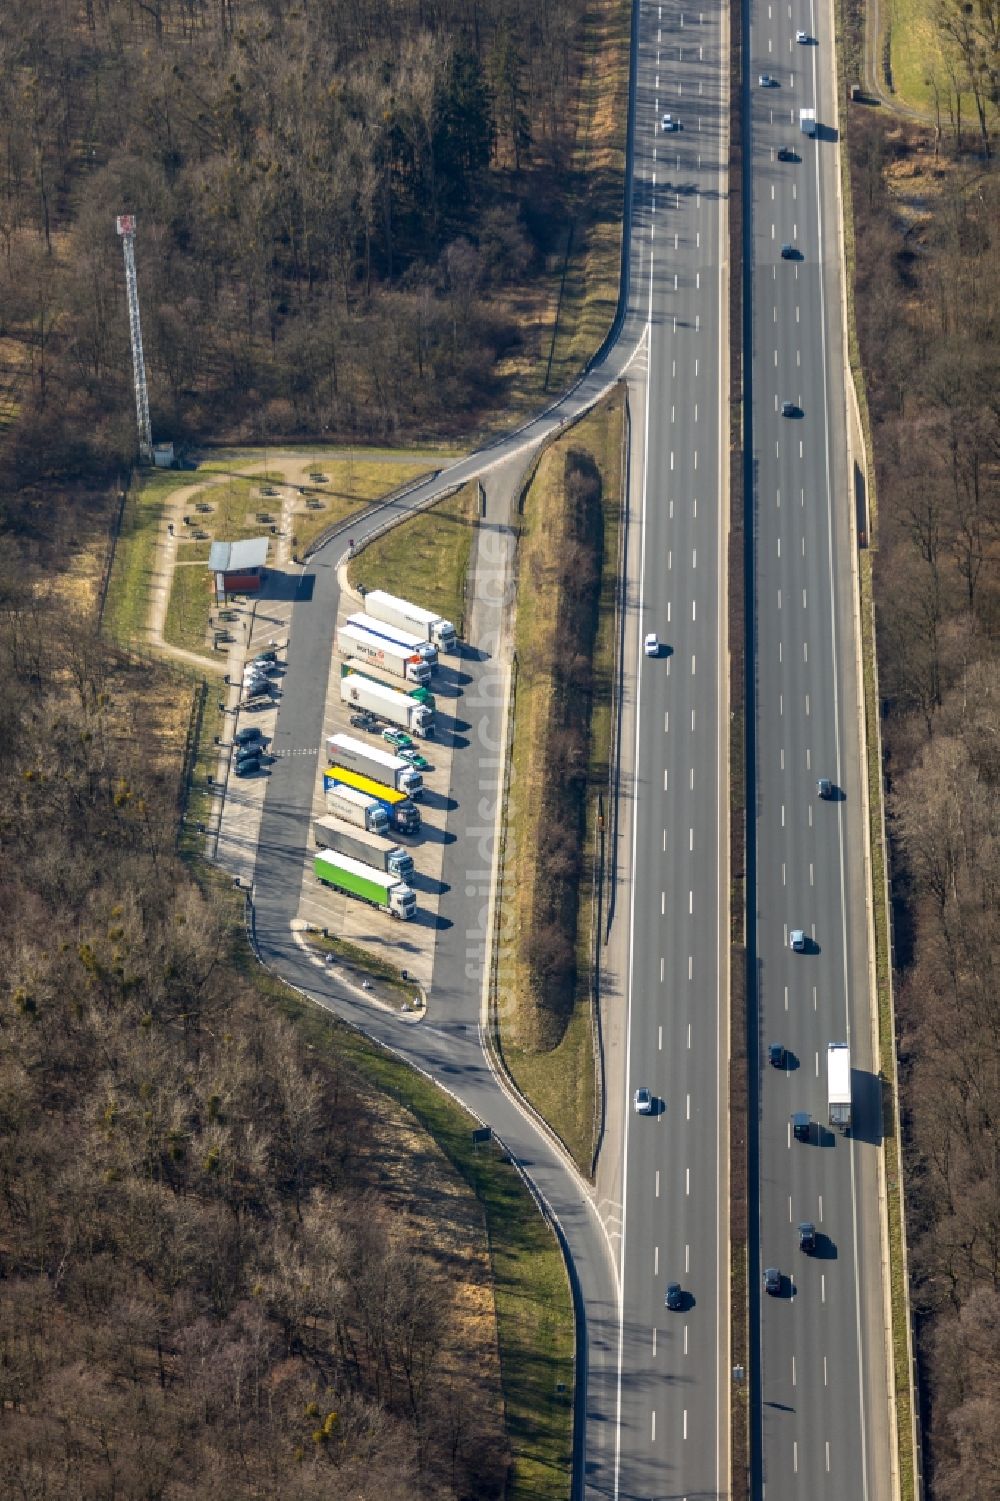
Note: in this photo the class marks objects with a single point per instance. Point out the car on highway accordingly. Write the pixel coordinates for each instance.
(807, 1237)
(673, 1298)
(776, 1055)
(651, 645)
(789, 409)
(416, 760)
(772, 1281)
(364, 722)
(824, 788)
(767, 82)
(670, 124)
(797, 941)
(802, 36)
(801, 1125)
(399, 738)
(789, 253)
(786, 154)
(643, 1102)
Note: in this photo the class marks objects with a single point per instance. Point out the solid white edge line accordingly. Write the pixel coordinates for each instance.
(631, 931)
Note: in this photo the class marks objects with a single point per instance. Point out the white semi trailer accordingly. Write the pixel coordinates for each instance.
(409, 617)
(389, 704)
(838, 1081)
(389, 657)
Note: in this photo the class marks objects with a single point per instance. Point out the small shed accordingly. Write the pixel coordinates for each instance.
(238, 567)
(163, 455)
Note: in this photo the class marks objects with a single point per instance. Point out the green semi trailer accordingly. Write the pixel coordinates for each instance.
(387, 893)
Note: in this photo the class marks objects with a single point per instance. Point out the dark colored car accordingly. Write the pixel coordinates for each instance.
(789, 253)
(801, 1125)
(824, 787)
(807, 1237)
(364, 722)
(674, 1298)
(789, 409)
(247, 766)
(786, 154)
(772, 1281)
(266, 658)
(776, 1055)
(249, 735)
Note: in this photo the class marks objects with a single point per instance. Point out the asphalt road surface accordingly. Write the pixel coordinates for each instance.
(675, 1367)
(652, 1418)
(820, 1385)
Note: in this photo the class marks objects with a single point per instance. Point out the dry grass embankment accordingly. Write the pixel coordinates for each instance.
(426, 557)
(565, 645)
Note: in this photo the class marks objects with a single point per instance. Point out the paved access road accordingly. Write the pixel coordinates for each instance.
(821, 1406)
(675, 1367)
(651, 1399)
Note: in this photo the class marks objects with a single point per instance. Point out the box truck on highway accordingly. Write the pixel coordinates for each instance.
(403, 815)
(395, 660)
(333, 834)
(415, 643)
(388, 703)
(364, 670)
(358, 809)
(807, 122)
(396, 611)
(380, 765)
(385, 892)
(838, 1081)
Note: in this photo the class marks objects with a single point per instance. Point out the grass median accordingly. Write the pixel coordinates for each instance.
(566, 652)
(426, 557)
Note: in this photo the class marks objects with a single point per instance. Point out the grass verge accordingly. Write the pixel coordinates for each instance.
(402, 993)
(425, 558)
(560, 1079)
(898, 1288)
(186, 622)
(917, 54)
(126, 609)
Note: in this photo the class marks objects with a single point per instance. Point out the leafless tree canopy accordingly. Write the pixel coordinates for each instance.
(929, 316)
(332, 199)
(203, 1291)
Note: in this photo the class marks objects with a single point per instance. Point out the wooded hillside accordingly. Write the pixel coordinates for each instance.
(929, 319)
(334, 203)
(213, 1279)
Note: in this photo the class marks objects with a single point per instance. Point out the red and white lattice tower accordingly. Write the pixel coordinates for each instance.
(126, 228)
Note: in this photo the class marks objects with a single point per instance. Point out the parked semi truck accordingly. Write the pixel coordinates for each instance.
(419, 645)
(395, 660)
(396, 611)
(358, 809)
(838, 1080)
(333, 834)
(402, 813)
(383, 891)
(363, 670)
(388, 703)
(807, 122)
(344, 750)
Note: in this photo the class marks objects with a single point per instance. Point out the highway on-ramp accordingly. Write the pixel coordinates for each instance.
(651, 1414)
(820, 1380)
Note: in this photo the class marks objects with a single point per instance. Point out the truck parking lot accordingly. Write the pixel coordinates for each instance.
(374, 846)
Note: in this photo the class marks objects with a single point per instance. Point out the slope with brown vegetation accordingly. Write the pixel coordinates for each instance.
(928, 309)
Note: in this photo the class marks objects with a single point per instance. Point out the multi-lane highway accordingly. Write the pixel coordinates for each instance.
(675, 1367)
(652, 1408)
(820, 1386)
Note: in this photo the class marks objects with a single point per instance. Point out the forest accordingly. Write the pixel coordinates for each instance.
(342, 209)
(927, 211)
